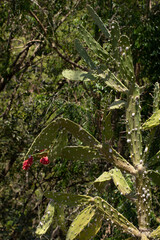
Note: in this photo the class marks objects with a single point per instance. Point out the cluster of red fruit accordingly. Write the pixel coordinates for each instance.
(27, 163)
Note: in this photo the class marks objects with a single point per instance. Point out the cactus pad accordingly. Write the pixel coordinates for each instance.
(80, 222)
(120, 181)
(98, 21)
(46, 220)
(153, 121)
(83, 53)
(117, 104)
(156, 233)
(113, 215)
(68, 198)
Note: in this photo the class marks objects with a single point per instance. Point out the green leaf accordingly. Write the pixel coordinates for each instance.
(68, 198)
(80, 222)
(94, 45)
(92, 228)
(120, 181)
(83, 53)
(153, 121)
(117, 104)
(46, 220)
(82, 153)
(155, 233)
(116, 217)
(45, 139)
(155, 176)
(98, 21)
(112, 81)
(78, 75)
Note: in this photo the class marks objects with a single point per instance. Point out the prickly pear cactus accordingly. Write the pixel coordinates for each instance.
(88, 222)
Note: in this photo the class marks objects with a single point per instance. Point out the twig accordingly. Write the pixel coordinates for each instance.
(10, 103)
(66, 58)
(37, 19)
(65, 17)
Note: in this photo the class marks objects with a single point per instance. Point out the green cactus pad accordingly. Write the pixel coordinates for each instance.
(156, 99)
(106, 176)
(112, 81)
(78, 75)
(60, 218)
(82, 153)
(98, 21)
(107, 132)
(117, 104)
(83, 53)
(154, 160)
(120, 181)
(155, 234)
(114, 157)
(58, 144)
(126, 56)
(45, 139)
(144, 237)
(94, 45)
(68, 198)
(92, 227)
(46, 220)
(113, 215)
(80, 222)
(115, 35)
(153, 121)
(155, 176)
(133, 124)
(101, 182)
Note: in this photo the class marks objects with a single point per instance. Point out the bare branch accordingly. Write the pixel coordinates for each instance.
(39, 22)
(66, 58)
(65, 17)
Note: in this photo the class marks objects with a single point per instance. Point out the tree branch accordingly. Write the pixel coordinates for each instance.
(66, 58)
(39, 22)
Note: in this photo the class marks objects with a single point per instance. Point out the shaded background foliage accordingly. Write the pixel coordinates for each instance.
(37, 43)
